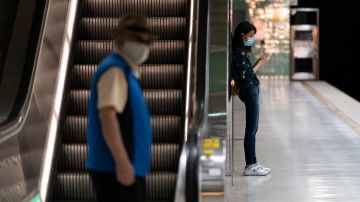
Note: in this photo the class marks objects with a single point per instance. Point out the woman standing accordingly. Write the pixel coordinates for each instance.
(244, 77)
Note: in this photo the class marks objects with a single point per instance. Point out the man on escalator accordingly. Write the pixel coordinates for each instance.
(119, 132)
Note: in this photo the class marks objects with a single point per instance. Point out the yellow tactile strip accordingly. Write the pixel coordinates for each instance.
(351, 123)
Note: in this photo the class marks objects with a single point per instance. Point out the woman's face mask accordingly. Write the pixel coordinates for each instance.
(248, 38)
(137, 52)
(249, 41)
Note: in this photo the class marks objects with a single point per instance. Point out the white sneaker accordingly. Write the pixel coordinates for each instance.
(265, 168)
(255, 170)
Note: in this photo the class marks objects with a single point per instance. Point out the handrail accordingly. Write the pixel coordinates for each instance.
(192, 170)
(196, 66)
(180, 193)
(188, 189)
(64, 64)
(191, 68)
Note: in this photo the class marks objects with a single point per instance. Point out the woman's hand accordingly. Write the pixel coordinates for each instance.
(263, 60)
(232, 83)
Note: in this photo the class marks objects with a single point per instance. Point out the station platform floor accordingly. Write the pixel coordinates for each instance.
(309, 135)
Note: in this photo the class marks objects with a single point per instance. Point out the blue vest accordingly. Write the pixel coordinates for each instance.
(134, 123)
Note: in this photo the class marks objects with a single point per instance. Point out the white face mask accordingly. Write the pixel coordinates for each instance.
(137, 52)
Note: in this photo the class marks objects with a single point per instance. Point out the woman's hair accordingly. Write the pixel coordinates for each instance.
(242, 28)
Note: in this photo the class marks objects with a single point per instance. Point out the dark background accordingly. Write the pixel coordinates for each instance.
(7, 17)
(339, 42)
(339, 33)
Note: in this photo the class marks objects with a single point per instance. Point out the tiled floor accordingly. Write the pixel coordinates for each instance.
(314, 155)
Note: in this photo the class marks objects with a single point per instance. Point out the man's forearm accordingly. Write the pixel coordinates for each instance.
(112, 135)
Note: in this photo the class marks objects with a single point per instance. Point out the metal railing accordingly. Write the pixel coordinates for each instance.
(187, 188)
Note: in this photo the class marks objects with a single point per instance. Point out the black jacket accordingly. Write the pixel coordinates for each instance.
(241, 69)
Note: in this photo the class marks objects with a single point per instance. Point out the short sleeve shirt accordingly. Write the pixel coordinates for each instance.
(113, 90)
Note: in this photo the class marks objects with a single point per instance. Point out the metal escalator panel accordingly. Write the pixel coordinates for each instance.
(162, 79)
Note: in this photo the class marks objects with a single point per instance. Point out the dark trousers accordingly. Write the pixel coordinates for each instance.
(108, 189)
(249, 94)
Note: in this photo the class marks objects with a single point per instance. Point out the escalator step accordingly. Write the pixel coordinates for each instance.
(75, 128)
(95, 201)
(162, 76)
(77, 187)
(161, 186)
(164, 102)
(164, 157)
(156, 76)
(161, 52)
(169, 28)
(82, 75)
(115, 8)
(165, 129)
(160, 102)
(73, 186)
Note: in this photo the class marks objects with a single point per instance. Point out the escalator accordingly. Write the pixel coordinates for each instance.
(162, 79)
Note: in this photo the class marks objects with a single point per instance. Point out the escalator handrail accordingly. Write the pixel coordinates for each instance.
(67, 45)
(200, 113)
(196, 66)
(195, 104)
(192, 169)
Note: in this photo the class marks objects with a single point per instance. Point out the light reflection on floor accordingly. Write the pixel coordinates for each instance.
(314, 155)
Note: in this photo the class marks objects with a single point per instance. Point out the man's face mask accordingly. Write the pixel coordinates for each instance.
(137, 52)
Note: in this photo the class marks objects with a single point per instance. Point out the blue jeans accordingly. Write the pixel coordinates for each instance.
(249, 94)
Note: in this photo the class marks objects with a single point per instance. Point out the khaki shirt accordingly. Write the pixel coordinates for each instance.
(113, 88)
